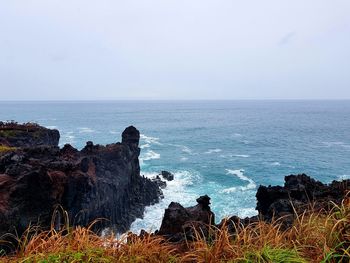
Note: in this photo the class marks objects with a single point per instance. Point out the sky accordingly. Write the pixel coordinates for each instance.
(174, 49)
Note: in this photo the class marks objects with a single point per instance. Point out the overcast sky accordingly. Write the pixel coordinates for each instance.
(174, 49)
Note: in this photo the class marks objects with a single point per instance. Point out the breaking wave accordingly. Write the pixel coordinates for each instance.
(213, 151)
(239, 173)
(176, 191)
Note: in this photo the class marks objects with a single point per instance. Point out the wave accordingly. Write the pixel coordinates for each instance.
(275, 164)
(149, 139)
(344, 177)
(176, 191)
(113, 132)
(52, 127)
(143, 146)
(336, 144)
(242, 155)
(213, 151)
(234, 155)
(85, 130)
(150, 155)
(239, 173)
(184, 148)
(67, 137)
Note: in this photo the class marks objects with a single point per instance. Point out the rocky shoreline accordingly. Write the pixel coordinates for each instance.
(98, 182)
(104, 182)
(281, 204)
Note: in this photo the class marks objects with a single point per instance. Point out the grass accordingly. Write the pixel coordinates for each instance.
(316, 236)
(4, 149)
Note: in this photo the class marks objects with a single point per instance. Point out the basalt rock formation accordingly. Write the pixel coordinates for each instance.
(36, 177)
(27, 135)
(167, 175)
(180, 223)
(297, 194)
(273, 202)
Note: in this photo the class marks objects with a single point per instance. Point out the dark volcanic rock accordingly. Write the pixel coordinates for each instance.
(167, 175)
(276, 202)
(180, 222)
(27, 135)
(298, 192)
(96, 182)
(159, 182)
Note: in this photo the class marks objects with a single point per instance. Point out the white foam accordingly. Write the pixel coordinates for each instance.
(275, 164)
(239, 173)
(149, 139)
(344, 177)
(336, 144)
(67, 137)
(183, 159)
(113, 132)
(247, 212)
(52, 127)
(85, 130)
(143, 146)
(176, 191)
(242, 155)
(213, 151)
(184, 148)
(150, 155)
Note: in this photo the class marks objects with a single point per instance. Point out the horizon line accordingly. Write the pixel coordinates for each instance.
(176, 100)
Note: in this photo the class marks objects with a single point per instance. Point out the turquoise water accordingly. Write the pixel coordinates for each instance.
(225, 149)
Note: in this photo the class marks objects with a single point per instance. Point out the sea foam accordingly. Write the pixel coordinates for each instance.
(239, 173)
(85, 130)
(149, 139)
(213, 151)
(176, 191)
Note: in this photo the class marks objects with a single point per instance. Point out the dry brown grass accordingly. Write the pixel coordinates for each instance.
(4, 149)
(315, 237)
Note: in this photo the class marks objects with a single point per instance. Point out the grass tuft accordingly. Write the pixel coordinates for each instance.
(4, 149)
(316, 236)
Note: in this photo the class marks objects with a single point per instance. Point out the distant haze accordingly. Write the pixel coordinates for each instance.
(174, 49)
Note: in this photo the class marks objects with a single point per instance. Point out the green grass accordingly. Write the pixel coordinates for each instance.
(8, 133)
(273, 255)
(92, 255)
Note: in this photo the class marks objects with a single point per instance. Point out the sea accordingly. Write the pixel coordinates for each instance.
(224, 149)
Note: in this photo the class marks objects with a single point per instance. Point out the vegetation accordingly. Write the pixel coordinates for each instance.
(314, 237)
(4, 149)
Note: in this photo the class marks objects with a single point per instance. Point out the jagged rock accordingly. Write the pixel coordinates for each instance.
(298, 192)
(167, 175)
(96, 182)
(159, 182)
(180, 222)
(27, 135)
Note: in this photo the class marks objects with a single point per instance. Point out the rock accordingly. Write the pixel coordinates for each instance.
(96, 182)
(159, 182)
(298, 192)
(179, 222)
(167, 175)
(273, 202)
(27, 135)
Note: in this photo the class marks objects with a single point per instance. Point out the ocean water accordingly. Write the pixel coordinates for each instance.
(225, 149)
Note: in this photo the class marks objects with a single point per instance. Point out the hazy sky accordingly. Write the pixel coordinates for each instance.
(174, 49)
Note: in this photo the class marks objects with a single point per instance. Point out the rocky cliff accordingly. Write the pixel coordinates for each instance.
(36, 176)
(27, 135)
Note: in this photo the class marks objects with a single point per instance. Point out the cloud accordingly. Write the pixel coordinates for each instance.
(286, 39)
